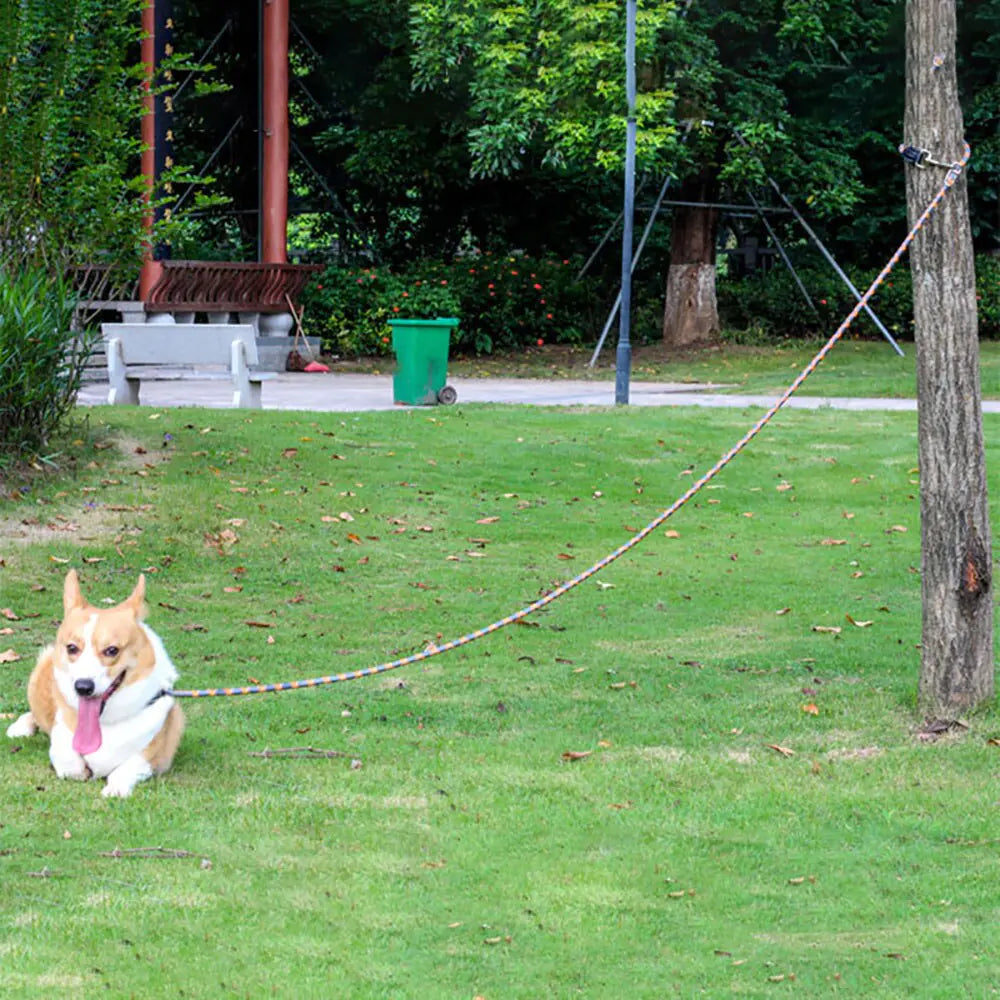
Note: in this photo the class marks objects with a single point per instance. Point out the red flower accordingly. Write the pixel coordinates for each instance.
(548, 315)
(540, 341)
(537, 287)
(395, 309)
(406, 295)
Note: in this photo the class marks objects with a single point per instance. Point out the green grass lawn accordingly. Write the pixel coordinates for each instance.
(853, 368)
(750, 811)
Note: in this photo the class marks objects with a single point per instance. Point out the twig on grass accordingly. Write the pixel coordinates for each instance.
(296, 752)
(148, 852)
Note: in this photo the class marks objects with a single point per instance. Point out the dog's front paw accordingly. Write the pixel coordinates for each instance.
(74, 770)
(126, 776)
(117, 787)
(24, 726)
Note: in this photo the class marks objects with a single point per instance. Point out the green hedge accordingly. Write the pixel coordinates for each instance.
(503, 302)
(769, 305)
(41, 362)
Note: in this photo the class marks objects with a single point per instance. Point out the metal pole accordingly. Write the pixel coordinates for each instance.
(781, 250)
(635, 260)
(826, 253)
(607, 236)
(623, 357)
(654, 211)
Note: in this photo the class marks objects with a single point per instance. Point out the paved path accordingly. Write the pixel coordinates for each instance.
(352, 392)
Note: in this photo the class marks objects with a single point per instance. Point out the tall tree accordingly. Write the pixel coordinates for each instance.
(956, 670)
(70, 104)
(546, 84)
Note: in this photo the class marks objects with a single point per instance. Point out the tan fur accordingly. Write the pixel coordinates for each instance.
(116, 639)
(43, 696)
(160, 753)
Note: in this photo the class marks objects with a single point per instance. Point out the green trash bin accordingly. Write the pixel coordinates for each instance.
(421, 347)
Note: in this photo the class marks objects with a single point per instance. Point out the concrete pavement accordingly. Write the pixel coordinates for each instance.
(347, 392)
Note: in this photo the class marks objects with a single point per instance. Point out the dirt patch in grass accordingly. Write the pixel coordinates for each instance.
(65, 517)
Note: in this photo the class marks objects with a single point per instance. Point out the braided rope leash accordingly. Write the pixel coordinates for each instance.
(954, 171)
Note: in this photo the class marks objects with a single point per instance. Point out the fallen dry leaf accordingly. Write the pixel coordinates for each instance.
(782, 611)
(576, 754)
(833, 541)
(784, 751)
(9, 656)
(857, 623)
(811, 708)
(831, 629)
(671, 534)
(487, 520)
(10, 615)
(256, 624)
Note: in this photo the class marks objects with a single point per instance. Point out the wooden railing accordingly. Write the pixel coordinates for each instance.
(227, 286)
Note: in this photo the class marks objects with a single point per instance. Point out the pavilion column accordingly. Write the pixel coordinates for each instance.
(274, 131)
(156, 131)
(150, 268)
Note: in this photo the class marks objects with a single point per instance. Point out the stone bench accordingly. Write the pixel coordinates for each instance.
(138, 352)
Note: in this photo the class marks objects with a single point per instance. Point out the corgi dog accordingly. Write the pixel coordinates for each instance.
(100, 692)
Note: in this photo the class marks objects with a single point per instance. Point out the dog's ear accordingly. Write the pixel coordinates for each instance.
(72, 595)
(136, 601)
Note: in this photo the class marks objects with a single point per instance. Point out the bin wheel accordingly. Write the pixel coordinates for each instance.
(447, 395)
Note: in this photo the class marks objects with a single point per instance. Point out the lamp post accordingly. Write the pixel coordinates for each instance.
(623, 356)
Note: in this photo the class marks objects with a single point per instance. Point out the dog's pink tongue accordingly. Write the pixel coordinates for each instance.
(87, 737)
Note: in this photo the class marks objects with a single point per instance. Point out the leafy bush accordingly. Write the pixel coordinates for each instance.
(769, 305)
(424, 298)
(503, 302)
(41, 362)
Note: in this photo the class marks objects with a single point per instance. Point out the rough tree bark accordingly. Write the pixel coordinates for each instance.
(956, 669)
(691, 312)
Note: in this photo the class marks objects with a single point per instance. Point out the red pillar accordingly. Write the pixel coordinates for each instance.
(274, 180)
(150, 268)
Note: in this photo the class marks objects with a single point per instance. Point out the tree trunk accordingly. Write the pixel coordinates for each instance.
(956, 669)
(690, 313)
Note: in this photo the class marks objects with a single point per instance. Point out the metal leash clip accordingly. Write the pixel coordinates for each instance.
(921, 158)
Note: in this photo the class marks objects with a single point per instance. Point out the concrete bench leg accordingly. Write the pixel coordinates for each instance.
(121, 388)
(246, 394)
